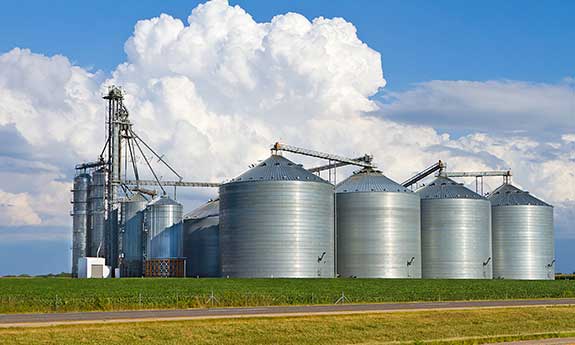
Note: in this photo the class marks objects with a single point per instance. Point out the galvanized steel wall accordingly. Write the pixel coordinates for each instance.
(111, 238)
(277, 229)
(378, 235)
(523, 245)
(163, 223)
(132, 234)
(80, 220)
(456, 238)
(202, 247)
(97, 213)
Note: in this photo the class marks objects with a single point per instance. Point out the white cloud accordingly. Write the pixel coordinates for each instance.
(545, 169)
(227, 87)
(494, 106)
(565, 220)
(214, 93)
(568, 138)
(15, 209)
(49, 101)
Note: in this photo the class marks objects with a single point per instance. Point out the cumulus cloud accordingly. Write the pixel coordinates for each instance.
(48, 100)
(214, 93)
(569, 138)
(565, 220)
(15, 209)
(224, 74)
(533, 109)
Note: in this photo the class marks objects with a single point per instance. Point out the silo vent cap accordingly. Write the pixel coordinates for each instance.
(277, 168)
(445, 188)
(369, 180)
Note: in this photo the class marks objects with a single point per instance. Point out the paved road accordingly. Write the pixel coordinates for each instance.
(35, 320)
(556, 341)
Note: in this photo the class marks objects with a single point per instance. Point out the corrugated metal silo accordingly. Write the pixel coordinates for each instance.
(132, 234)
(202, 241)
(523, 245)
(277, 220)
(163, 224)
(97, 213)
(455, 232)
(378, 228)
(80, 220)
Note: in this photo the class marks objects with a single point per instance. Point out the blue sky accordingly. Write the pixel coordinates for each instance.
(489, 71)
(420, 40)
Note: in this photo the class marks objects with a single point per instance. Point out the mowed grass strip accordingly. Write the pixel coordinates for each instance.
(446, 327)
(21, 295)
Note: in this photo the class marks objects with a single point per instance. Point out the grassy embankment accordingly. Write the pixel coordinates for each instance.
(443, 327)
(61, 294)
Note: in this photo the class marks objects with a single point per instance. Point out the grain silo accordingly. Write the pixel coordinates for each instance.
(163, 226)
(80, 220)
(455, 232)
(378, 228)
(522, 235)
(202, 240)
(131, 231)
(97, 213)
(277, 220)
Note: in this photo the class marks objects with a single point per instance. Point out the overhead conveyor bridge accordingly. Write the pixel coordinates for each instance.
(170, 183)
(439, 166)
(334, 161)
(479, 175)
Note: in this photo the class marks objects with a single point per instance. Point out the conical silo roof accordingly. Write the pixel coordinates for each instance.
(209, 209)
(445, 188)
(277, 168)
(163, 200)
(138, 197)
(508, 194)
(369, 180)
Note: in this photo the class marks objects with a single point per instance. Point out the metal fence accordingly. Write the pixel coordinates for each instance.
(58, 303)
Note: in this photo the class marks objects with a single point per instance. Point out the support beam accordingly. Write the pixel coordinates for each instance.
(338, 164)
(439, 166)
(150, 192)
(479, 175)
(366, 162)
(88, 165)
(170, 183)
(476, 173)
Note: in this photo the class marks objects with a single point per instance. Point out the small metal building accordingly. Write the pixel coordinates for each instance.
(131, 239)
(277, 220)
(80, 220)
(202, 241)
(523, 246)
(455, 232)
(97, 213)
(89, 267)
(378, 228)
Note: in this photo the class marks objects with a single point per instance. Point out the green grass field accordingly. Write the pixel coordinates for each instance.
(435, 327)
(64, 294)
